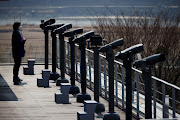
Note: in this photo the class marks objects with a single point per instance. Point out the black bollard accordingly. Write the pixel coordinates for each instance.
(146, 64)
(81, 40)
(127, 57)
(111, 115)
(46, 48)
(60, 31)
(42, 26)
(54, 75)
(94, 43)
(71, 34)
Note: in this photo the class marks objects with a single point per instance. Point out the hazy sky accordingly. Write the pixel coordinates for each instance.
(21, 3)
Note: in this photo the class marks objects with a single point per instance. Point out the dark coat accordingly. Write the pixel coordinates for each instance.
(17, 44)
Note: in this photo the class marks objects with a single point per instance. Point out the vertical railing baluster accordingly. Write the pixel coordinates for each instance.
(76, 63)
(65, 59)
(100, 86)
(59, 53)
(116, 83)
(79, 63)
(166, 109)
(137, 90)
(163, 98)
(122, 70)
(173, 102)
(105, 78)
(154, 98)
(89, 62)
(68, 57)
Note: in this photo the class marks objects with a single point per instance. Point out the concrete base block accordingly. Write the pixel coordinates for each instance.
(61, 98)
(40, 82)
(44, 81)
(31, 62)
(89, 109)
(65, 87)
(82, 116)
(30, 69)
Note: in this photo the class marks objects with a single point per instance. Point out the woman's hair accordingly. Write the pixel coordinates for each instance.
(16, 25)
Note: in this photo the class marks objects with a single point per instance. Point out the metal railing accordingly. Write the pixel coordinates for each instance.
(159, 87)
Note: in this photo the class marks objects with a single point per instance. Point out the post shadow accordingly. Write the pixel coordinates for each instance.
(6, 94)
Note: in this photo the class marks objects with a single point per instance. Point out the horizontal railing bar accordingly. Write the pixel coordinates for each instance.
(5, 64)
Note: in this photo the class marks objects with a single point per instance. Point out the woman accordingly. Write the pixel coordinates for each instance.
(17, 50)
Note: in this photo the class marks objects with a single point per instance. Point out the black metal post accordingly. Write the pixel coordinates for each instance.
(146, 74)
(46, 48)
(43, 26)
(83, 95)
(128, 64)
(127, 57)
(99, 107)
(54, 75)
(110, 58)
(74, 89)
(111, 115)
(96, 74)
(83, 68)
(72, 57)
(146, 65)
(54, 47)
(62, 78)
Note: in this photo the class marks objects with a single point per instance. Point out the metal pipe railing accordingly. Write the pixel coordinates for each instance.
(120, 87)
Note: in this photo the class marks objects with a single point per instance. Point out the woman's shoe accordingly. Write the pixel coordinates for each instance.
(16, 83)
(20, 80)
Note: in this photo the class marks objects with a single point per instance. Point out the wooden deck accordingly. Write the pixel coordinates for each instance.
(29, 102)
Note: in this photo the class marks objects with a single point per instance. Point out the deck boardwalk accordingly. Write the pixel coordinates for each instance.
(29, 102)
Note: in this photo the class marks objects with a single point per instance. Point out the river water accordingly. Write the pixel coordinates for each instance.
(77, 15)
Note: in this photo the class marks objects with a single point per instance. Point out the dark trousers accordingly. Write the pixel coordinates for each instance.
(17, 63)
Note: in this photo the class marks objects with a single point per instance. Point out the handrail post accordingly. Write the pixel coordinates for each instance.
(81, 40)
(100, 106)
(62, 78)
(71, 34)
(46, 32)
(54, 75)
(108, 49)
(127, 57)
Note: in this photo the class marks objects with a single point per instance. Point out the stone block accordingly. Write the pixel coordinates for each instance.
(89, 109)
(82, 116)
(44, 81)
(30, 69)
(61, 98)
(65, 87)
(31, 63)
